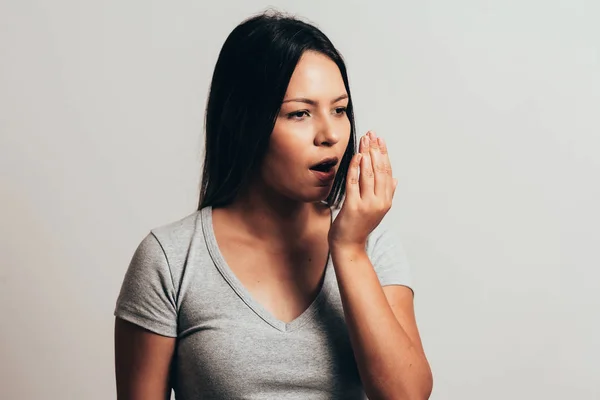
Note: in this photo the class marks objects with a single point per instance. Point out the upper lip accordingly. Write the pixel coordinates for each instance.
(328, 160)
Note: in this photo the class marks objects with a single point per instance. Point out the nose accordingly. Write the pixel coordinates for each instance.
(327, 132)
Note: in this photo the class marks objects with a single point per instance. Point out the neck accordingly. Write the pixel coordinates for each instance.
(281, 221)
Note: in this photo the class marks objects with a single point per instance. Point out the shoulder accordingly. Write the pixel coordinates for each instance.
(178, 231)
(175, 237)
(149, 295)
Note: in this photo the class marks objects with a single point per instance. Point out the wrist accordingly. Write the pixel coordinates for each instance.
(352, 250)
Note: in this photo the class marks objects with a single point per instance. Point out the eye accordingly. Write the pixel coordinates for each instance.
(340, 110)
(297, 115)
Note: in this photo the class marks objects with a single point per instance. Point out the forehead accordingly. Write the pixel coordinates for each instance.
(316, 76)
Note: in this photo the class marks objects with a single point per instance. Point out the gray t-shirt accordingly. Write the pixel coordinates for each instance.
(229, 346)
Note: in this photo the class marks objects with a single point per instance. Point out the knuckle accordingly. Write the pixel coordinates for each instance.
(382, 205)
(381, 168)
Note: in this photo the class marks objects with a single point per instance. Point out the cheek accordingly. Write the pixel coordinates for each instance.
(285, 165)
(288, 144)
(282, 173)
(285, 159)
(345, 127)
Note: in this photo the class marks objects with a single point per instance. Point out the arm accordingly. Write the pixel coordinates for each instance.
(142, 362)
(382, 329)
(146, 325)
(381, 323)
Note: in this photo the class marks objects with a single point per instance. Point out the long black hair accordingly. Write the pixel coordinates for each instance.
(248, 86)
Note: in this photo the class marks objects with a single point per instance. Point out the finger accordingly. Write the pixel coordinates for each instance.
(352, 187)
(385, 156)
(386, 165)
(379, 178)
(366, 179)
(361, 144)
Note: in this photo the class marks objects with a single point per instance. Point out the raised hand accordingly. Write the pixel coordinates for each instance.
(369, 194)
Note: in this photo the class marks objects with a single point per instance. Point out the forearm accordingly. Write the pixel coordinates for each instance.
(390, 366)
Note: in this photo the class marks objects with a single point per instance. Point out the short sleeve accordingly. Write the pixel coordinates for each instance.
(388, 257)
(147, 296)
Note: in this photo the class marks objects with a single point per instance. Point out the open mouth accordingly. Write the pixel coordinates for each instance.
(325, 166)
(324, 172)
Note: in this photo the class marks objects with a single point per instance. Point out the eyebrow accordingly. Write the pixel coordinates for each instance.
(312, 102)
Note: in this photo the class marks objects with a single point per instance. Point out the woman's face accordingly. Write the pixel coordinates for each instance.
(312, 125)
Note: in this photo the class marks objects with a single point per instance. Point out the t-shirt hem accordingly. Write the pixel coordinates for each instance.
(146, 323)
(393, 282)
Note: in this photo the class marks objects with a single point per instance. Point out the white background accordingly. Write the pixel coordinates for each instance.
(492, 114)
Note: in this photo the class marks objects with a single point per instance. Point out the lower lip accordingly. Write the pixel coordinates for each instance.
(324, 177)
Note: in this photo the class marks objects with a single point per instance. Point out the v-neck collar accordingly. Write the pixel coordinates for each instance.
(246, 296)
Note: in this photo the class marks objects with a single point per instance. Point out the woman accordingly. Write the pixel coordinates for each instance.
(270, 290)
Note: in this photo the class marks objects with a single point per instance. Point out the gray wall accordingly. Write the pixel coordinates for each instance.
(491, 111)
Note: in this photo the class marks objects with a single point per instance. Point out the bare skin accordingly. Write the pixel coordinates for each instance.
(284, 280)
(274, 236)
